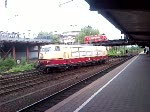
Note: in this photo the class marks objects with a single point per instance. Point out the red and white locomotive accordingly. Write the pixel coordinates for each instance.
(95, 38)
(56, 57)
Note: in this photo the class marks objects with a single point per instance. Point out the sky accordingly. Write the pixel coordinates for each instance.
(48, 15)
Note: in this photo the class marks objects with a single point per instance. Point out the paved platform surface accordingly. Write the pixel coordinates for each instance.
(125, 89)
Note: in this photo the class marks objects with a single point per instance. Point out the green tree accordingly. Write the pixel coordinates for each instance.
(48, 35)
(55, 38)
(43, 35)
(86, 31)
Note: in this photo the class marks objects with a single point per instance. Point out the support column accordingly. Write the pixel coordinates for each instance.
(27, 54)
(14, 52)
(38, 51)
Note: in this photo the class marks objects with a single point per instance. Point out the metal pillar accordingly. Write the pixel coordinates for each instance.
(27, 54)
(38, 51)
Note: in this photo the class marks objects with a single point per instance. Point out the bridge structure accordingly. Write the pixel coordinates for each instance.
(18, 48)
(117, 42)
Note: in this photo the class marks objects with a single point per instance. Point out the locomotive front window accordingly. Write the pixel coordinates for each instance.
(47, 49)
(57, 48)
(43, 50)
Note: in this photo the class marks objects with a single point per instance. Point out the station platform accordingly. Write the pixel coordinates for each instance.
(124, 89)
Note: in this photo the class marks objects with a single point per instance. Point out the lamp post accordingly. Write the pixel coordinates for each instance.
(29, 33)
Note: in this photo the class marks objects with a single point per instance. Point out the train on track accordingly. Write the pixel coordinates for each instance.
(61, 57)
(95, 38)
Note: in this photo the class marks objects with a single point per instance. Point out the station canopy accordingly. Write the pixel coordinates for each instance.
(131, 17)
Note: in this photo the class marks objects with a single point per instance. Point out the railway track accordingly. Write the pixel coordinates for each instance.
(22, 76)
(17, 77)
(55, 98)
(27, 82)
(7, 89)
(19, 82)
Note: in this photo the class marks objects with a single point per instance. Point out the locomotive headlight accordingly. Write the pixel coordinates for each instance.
(47, 62)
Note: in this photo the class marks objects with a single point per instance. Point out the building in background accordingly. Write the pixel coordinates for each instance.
(68, 37)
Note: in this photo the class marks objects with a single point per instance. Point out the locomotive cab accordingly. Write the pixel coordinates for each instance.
(51, 52)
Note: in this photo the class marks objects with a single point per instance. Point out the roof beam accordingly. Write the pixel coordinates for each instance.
(138, 33)
(119, 4)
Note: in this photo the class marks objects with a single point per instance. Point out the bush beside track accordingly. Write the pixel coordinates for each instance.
(9, 65)
(122, 51)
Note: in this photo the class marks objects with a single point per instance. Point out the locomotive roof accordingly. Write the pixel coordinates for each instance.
(67, 45)
(63, 45)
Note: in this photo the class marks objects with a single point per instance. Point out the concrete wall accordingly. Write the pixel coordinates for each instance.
(32, 55)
